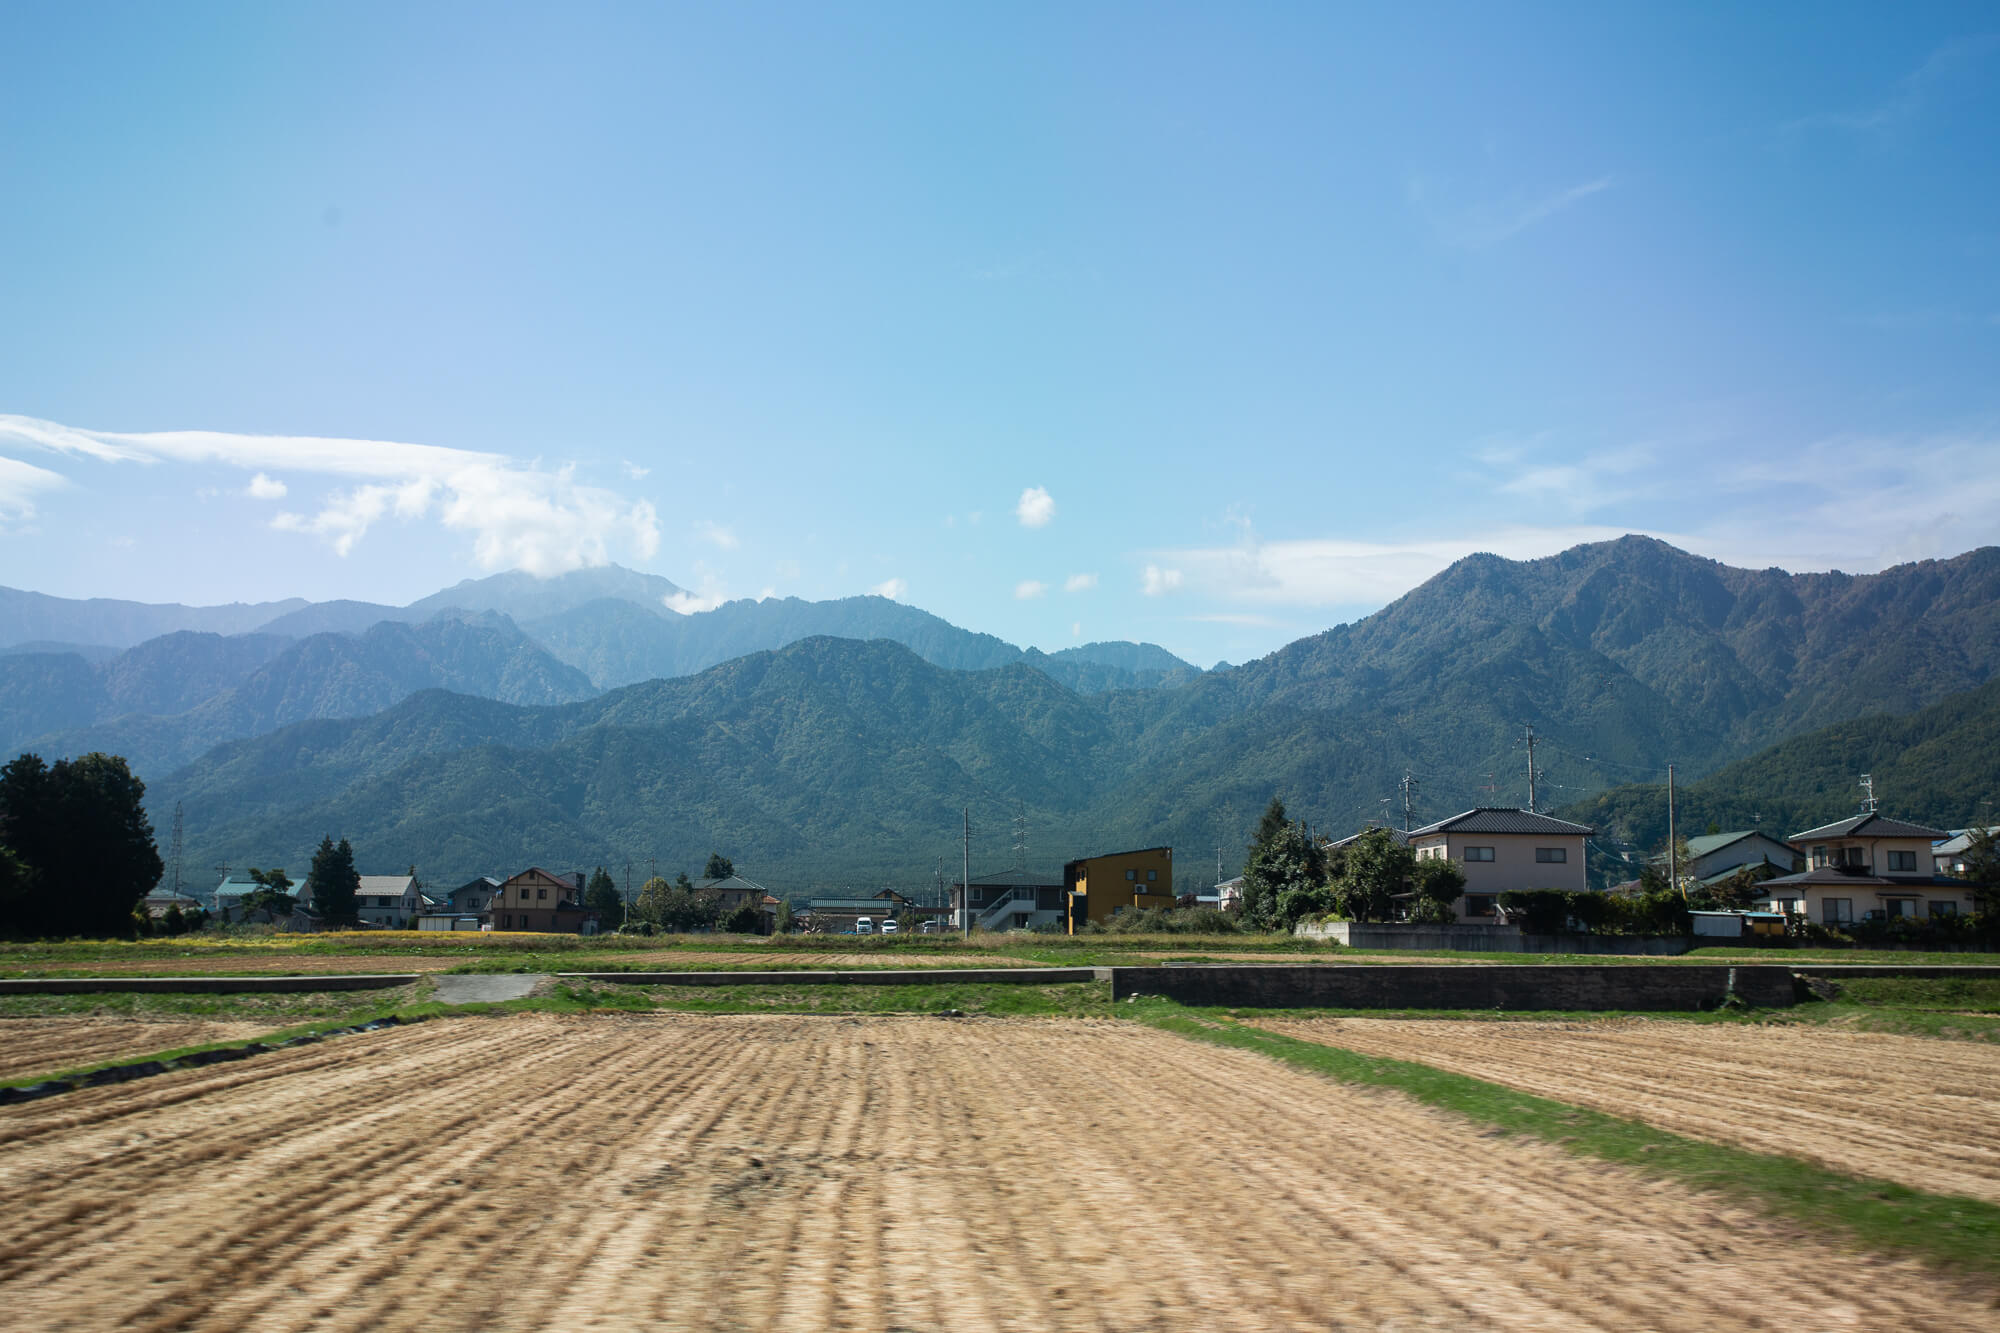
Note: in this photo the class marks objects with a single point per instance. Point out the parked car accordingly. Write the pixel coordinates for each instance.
(864, 925)
(888, 927)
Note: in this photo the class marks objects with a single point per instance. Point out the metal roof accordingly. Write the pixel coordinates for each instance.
(1488, 819)
(1399, 836)
(1018, 878)
(386, 884)
(733, 883)
(1871, 826)
(1715, 842)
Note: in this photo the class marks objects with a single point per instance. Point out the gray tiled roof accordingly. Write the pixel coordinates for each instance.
(1490, 820)
(1398, 836)
(1871, 826)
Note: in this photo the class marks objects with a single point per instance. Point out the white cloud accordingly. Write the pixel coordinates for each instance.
(1952, 72)
(1028, 588)
(689, 603)
(1480, 225)
(1036, 508)
(1076, 629)
(1080, 583)
(893, 589)
(1158, 582)
(19, 484)
(634, 471)
(716, 533)
(262, 487)
(518, 514)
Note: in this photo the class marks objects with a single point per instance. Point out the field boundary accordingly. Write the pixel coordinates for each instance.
(205, 985)
(938, 976)
(1536, 987)
(1946, 1230)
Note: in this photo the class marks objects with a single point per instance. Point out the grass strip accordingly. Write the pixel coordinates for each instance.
(1940, 1229)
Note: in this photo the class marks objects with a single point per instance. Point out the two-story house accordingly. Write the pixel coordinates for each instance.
(1869, 867)
(1716, 856)
(1502, 850)
(388, 900)
(1010, 900)
(1099, 887)
(538, 900)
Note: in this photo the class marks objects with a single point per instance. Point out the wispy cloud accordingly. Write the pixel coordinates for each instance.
(20, 483)
(1947, 73)
(518, 514)
(1158, 581)
(1481, 225)
(1080, 583)
(716, 534)
(893, 589)
(262, 487)
(1036, 508)
(1028, 589)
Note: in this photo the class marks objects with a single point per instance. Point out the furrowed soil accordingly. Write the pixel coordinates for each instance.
(1919, 1112)
(789, 1173)
(48, 1045)
(278, 963)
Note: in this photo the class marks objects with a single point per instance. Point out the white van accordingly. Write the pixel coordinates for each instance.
(888, 927)
(864, 925)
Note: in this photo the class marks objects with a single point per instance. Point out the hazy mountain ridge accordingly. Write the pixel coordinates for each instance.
(334, 676)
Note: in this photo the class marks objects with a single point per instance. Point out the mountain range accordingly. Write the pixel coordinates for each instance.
(835, 761)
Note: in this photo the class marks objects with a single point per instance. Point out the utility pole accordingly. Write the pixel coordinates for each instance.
(1673, 843)
(1868, 803)
(965, 883)
(628, 886)
(1218, 865)
(174, 853)
(1409, 787)
(1533, 772)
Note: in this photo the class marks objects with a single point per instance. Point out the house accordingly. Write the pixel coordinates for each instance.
(1504, 850)
(1714, 857)
(160, 901)
(233, 889)
(1948, 857)
(390, 901)
(1867, 868)
(1010, 900)
(1098, 888)
(471, 898)
(538, 900)
(733, 892)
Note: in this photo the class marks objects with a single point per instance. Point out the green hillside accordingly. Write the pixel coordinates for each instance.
(1939, 766)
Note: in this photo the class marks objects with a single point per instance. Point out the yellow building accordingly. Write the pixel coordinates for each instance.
(1099, 887)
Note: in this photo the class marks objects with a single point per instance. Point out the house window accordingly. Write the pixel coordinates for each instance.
(1901, 907)
(1479, 853)
(1943, 907)
(1551, 855)
(1480, 904)
(1902, 860)
(1836, 911)
(1853, 856)
(1131, 874)
(1152, 875)
(1819, 857)
(541, 893)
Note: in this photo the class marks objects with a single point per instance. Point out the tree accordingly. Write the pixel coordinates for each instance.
(80, 830)
(719, 867)
(1374, 870)
(783, 924)
(333, 882)
(1438, 883)
(1282, 857)
(745, 920)
(651, 907)
(601, 897)
(1982, 868)
(273, 891)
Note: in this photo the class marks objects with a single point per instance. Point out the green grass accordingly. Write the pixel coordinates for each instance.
(1940, 1229)
(1071, 999)
(292, 1007)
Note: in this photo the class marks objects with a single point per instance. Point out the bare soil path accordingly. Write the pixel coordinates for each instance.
(797, 1173)
(1917, 1111)
(47, 1045)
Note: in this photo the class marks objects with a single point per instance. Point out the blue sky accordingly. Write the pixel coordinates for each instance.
(1208, 325)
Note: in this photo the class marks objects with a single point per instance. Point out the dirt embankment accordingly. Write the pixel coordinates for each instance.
(533, 1172)
(1919, 1112)
(47, 1045)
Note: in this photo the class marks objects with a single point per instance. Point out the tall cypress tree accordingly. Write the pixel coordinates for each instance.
(333, 882)
(81, 831)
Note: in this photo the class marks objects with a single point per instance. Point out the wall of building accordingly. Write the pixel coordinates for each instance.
(1124, 880)
(1875, 854)
(1640, 986)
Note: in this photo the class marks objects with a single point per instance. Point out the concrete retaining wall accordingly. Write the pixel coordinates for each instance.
(1487, 939)
(941, 976)
(1842, 971)
(1527, 987)
(200, 985)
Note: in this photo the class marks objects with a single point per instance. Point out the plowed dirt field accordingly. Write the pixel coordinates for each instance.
(46, 1045)
(278, 963)
(1910, 1109)
(791, 1173)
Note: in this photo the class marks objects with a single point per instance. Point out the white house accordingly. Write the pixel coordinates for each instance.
(389, 900)
(1867, 867)
(1501, 850)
